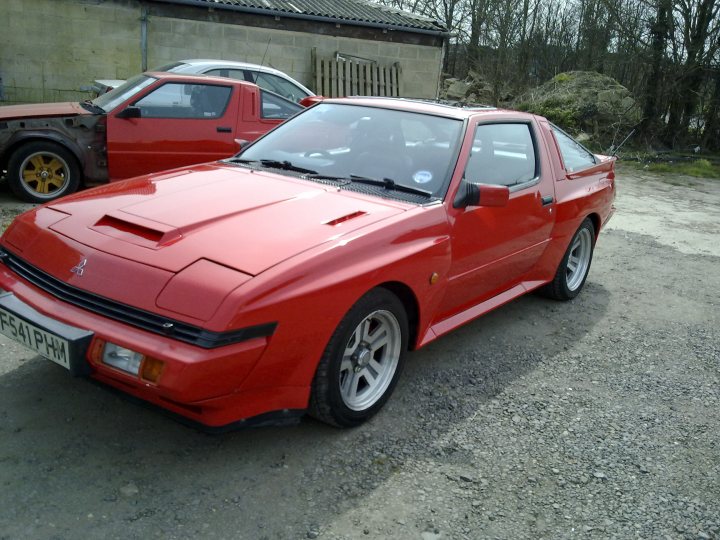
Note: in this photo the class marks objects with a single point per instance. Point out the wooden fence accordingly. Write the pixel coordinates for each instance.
(342, 76)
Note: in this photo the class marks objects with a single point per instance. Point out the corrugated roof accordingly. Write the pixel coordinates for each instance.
(357, 12)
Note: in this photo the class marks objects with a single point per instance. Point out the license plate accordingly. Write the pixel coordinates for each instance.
(63, 344)
(44, 343)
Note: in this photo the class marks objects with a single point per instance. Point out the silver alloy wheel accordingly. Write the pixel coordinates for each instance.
(579, 259)
(370, 360)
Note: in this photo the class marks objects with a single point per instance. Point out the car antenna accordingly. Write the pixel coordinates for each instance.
(617, 149)
(262, 63)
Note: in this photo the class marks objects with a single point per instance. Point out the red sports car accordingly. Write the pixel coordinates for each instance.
(294, 276)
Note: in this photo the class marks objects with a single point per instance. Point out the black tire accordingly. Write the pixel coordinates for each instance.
(566, 285)
(42, 171)
(329, 402)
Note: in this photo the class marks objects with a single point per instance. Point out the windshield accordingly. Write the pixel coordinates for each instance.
(338, 141)
(125, 91)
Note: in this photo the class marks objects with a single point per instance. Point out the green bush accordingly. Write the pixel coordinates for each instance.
(564, 118)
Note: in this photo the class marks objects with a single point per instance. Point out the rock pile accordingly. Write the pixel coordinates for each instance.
(584, 102)
(473, 90)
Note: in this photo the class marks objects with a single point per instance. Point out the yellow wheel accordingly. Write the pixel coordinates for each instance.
(43, 171)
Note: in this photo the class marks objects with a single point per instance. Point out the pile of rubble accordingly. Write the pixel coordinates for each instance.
(584, 102)
(473, 90)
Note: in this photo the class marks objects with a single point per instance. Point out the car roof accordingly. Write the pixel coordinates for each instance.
(436, 107)
(195, 77)
(194, 65)
(199, 63)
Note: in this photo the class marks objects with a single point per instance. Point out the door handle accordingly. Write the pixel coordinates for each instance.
(547, 199)
(224, 129)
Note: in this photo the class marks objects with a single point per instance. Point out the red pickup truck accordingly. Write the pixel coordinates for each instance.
(153, 122)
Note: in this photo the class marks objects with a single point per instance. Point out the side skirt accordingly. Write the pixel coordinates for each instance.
(444, 326)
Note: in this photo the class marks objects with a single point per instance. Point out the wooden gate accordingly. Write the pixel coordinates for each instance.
(342, 76)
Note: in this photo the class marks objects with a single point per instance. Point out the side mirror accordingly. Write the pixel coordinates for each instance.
(471, 194)
(241, 144)
(130, 112)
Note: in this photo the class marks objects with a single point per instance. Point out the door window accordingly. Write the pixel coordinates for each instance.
(502, 154)
(178, 100)
(238, 74)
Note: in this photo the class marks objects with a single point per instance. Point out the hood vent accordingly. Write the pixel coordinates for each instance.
(135, 233)
(343, 219)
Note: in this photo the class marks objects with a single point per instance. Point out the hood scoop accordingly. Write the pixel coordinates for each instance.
(136, 230)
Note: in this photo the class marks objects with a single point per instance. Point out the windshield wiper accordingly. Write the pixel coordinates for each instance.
(90, 106)
(274, 164)
(387, 183)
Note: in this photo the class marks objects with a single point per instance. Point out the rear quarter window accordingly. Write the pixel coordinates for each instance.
(575, 156)
(274, 106)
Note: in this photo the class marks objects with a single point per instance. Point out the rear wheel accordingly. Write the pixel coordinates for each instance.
(362, 361)
(575, 265)
(42, 171)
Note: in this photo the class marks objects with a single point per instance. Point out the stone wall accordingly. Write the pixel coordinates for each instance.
(49, 49)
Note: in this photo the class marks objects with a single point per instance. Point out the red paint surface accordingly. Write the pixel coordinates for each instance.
(137, 146)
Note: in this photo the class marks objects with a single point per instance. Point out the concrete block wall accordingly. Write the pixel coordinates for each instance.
(172, 39)
(49, 49)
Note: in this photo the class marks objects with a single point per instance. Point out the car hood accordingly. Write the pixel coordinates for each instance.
(41, 110)
(242, 219)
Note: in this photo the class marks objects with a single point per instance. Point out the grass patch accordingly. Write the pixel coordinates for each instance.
(699, 168)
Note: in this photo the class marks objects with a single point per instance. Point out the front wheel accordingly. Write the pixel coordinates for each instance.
(42, 171)
(362, 361)
(575, 265)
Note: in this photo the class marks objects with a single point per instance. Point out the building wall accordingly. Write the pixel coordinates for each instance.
(49, 49)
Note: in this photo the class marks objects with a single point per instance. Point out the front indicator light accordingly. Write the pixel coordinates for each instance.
(121, 358)
(151, 369)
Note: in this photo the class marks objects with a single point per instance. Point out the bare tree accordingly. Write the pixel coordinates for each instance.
(696, 32)
(665, 51)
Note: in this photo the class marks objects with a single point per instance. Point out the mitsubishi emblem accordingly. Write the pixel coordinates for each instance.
(79, 268)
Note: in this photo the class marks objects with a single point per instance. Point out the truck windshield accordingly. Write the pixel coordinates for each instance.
(125, 91)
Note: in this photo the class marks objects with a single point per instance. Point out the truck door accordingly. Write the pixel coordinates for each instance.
(172, 125)
(493, 248)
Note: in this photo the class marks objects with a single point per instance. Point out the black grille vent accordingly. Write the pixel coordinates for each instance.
(131, 315)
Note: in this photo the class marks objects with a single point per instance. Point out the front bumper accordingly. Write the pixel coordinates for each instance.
(200, 384)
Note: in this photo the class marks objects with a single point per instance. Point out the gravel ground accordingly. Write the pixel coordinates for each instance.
(596, 418)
